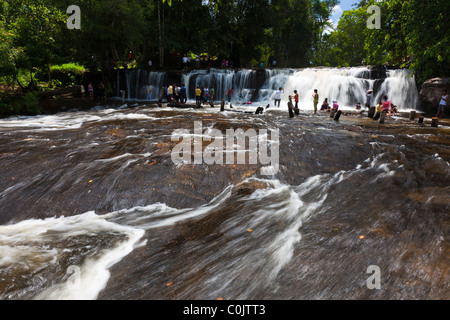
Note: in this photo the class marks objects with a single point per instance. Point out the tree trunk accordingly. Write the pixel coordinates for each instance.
(161, 35)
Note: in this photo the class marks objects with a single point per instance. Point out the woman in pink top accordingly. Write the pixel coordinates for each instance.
(335, 105)
(386, 104)
(91, 91)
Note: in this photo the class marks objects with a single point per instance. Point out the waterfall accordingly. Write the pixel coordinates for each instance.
(400, 87)
(349, 86)
(346, 85)
(135, 83)
(245, 82)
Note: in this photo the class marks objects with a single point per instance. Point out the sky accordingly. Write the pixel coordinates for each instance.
(340, 8)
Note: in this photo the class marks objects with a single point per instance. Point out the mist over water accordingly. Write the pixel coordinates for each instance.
(92, 206)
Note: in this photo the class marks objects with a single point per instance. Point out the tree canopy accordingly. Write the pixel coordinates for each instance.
(298, 33)
(413, 34)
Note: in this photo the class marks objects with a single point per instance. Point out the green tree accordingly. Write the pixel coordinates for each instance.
(428, 38)
(292, 32)
(7, 53)
(322, 10)
(30, 28)
(345, 47)
(238, 29)
(109, 29)
(388, 44)
(183, 30)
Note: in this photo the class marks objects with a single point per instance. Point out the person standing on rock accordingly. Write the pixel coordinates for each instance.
(296, 98)
(183, 93)
(278, 97)
(315, 100)
(229, 94)
(101, 91)
(149, 92)
(442, 105)
(91, 91)
(82, 91)
(198, 95)
(185, 63)
(170, 93)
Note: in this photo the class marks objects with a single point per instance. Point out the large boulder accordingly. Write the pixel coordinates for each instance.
(377, 72)
(431, 93)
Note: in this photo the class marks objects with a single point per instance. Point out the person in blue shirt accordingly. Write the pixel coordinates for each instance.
(183, 93)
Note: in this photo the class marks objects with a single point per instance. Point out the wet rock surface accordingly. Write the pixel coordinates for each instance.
(349, 194)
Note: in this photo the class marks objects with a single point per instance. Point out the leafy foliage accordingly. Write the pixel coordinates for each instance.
(298, 33)
(68, 74)
(413, 34)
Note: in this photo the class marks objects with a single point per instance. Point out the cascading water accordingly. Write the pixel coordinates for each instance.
(346, 85)
(135, 82)
(400, 87)
(247, 84)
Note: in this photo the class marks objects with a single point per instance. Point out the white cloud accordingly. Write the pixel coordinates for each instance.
(336, 14)
(328, 30)
(336, 10)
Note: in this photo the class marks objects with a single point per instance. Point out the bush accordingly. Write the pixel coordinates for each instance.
(6, 109)
(69, 74)
(31, 103)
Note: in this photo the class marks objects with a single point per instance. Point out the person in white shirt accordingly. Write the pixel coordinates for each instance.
(278, 97)
(442, 105)
(185, 62)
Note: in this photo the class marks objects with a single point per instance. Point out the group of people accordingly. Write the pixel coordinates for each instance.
(296, 98)
(91, 91)
(174, 93)
(385, 105)
(327, 107)
(203, 61)
(204, 94)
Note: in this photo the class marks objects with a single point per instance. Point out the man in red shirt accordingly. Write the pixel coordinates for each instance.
(296, 98)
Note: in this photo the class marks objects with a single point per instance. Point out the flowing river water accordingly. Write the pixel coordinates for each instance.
(94, 207)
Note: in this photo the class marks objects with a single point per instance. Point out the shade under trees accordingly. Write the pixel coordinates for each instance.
(298, 33)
